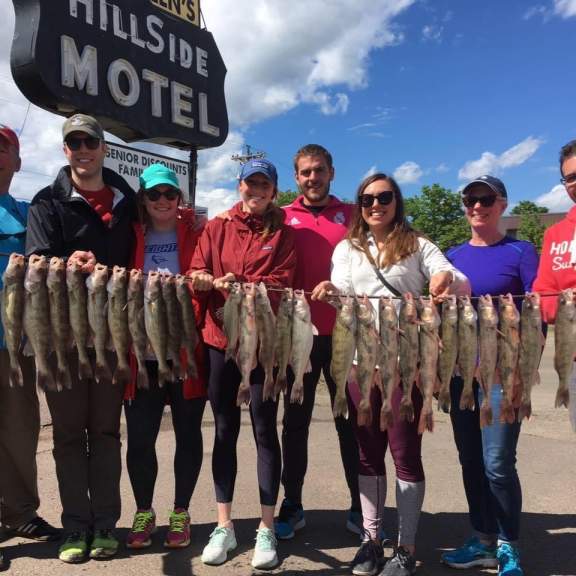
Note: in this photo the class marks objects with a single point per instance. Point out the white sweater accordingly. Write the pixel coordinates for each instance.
(352, 273)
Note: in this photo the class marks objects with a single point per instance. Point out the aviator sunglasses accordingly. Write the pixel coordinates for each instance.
(153, 194)
(384, 198)
(485, 201)
(74, 143)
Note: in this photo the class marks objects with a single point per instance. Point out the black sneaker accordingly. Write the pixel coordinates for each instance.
(401, 564)
(368, 559)
(37, 529)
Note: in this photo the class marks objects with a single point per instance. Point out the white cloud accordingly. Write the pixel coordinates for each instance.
(432, 33)
(565, 8)
(490, 163)
(536, 11)
(442, 168)
(370, 171)
(557, 200)
(408, 173)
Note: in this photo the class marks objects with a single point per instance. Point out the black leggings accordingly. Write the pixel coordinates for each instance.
(143, 419)
(223, 384)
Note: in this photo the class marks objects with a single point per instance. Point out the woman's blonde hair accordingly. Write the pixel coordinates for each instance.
(402, 240)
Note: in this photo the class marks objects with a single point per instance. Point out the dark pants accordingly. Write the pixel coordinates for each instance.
(296, 425)
(86, 430)
(224, 381)
(405, 442)
(143, 419)
(488, 459)
(19, 429)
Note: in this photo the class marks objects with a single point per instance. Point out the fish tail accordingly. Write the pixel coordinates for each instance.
(562, 397)
(164, 375)
(444, 400)
(281, 383)
(102, 372)
(243, 395)
(364, 413)
(63, 375)
(507, 415)
(426, 421)
(142, 380)
(16, 378)
(406, 412)
(84, 368)
(297, 394)
(122, 374)
(386, 418)
(268, 389)
(467, 400)
(486, 416)
(45, 381)
(230, 353)
(340, 407)
(525, 410)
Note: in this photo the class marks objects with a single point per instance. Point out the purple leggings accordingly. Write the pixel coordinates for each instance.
(405, 442)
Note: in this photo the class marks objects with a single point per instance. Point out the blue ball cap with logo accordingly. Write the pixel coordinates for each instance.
(157, 174)
(259, 166)
(495, 184)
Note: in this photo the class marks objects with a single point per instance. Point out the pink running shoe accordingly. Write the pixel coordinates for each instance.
(143, 526)
(178, 535)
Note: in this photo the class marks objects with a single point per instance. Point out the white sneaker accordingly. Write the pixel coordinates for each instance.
(222, 540)
(265, 550)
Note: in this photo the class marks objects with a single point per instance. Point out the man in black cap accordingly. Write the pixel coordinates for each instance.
(85, 215)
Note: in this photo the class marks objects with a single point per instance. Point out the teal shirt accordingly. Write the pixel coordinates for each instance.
(13, 215)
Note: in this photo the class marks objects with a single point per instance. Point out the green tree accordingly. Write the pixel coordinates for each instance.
(286, 197)
(531, 228)
(437, 212)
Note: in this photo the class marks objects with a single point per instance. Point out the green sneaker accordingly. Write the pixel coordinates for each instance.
(74, 548)
(104, 544)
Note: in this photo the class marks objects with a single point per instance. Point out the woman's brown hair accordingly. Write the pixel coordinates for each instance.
(401, 241)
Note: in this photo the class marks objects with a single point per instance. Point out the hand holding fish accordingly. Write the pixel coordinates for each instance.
(86, 260)
(223, 283)
(440, 283)
(201, 281)
(324, 290)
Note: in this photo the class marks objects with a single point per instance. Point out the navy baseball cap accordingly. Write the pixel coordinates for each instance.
(495, 184)
(259, 166)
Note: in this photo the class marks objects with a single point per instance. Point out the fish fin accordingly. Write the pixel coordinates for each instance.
(562, 397)
(340, 407)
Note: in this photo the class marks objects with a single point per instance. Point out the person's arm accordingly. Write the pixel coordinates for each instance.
(545, 282)
(341, 274)
(444, 278)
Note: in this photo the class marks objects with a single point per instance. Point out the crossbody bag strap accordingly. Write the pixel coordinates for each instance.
(380, 277)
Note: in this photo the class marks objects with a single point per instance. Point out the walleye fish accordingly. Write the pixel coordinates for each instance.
(508, 349)
(59, 318)
(368, 352)
(488, 350)
(13, 313)
(448, 350)
(37, 321)
(137, 325)
(78, 314)
(98, 319)
(248, 341)
(231, 319)
(565, 344)
(409, 354)
(174, 321)
(429, 349)
(302, 342)
(157, 325)
(531, 343)
(467, 350)
(190, 337)
(343, 351)
(266, 327)
(283, 339)
(388, 361)
(118, 322)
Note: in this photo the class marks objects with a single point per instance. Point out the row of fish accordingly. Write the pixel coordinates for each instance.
(418, 344)
(56, 307)
(255, 334)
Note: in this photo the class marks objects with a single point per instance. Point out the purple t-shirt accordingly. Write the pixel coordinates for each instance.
(509, 266)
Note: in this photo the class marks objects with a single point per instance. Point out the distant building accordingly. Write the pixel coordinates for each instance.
(510, 224)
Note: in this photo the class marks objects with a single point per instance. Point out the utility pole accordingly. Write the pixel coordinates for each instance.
(247, 154)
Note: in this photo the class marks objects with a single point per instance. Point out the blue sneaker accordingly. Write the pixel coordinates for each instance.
(508, 561)
(473, 553)
(290, 519)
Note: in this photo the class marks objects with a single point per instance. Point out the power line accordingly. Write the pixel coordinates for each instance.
(247, 154)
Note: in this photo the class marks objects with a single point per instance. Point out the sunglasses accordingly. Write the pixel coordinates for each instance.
(153, 194)
(485, 201)
(75, 143)
(569, 179)
(384, 198)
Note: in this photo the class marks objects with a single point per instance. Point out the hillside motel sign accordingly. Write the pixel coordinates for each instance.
(144, 68)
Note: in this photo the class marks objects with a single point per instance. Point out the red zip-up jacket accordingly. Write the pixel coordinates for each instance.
(188, 231)
(316, 237)
(236, 245)
(557, 269)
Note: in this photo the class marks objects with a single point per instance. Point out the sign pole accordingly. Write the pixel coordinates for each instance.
(192, 170)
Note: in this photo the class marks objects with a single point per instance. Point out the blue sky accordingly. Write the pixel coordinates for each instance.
(432, 91)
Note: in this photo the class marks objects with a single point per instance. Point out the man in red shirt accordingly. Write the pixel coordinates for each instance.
(319, 221)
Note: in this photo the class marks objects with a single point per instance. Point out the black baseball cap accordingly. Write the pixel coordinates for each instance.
(495, 184)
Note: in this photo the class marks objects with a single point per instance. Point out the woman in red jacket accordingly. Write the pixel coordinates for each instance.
(166, 236)
(251, 245)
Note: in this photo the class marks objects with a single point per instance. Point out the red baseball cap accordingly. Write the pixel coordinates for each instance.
(10, 136)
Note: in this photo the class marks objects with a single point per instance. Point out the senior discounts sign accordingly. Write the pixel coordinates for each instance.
(142, 67)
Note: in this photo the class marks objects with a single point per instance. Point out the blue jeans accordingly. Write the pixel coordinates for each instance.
(488, 460)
